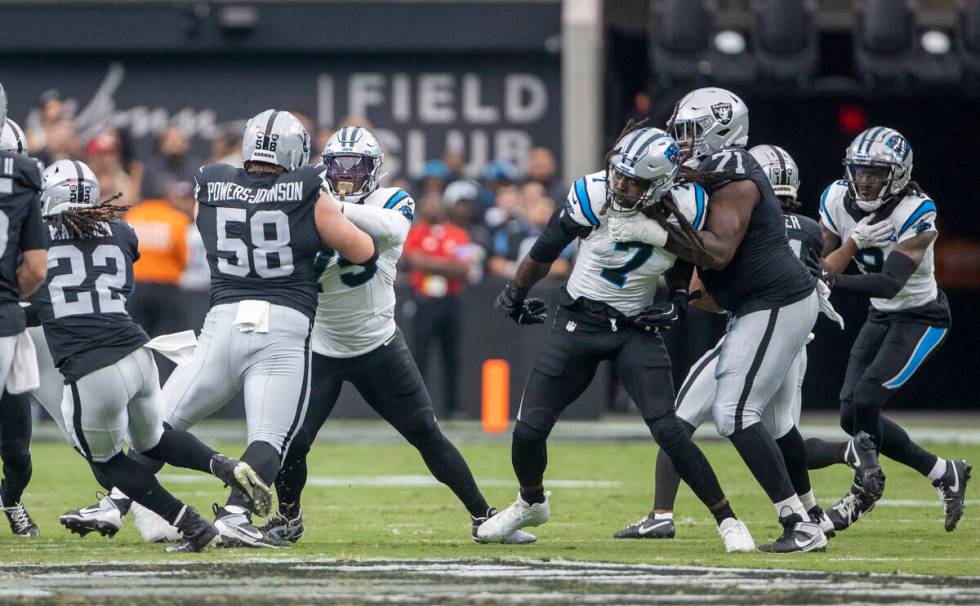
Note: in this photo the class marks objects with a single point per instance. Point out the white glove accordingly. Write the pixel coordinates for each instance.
(636, 228)
(866, 235)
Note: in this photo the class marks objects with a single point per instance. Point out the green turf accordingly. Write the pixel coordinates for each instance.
(423, 522)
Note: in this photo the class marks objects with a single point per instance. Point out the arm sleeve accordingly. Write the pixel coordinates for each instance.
(32, 236)
(557, 235)
(885, 285)
(389, 227)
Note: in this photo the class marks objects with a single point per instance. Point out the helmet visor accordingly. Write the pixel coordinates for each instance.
(868, 180)
(630, 193)
(348, 173)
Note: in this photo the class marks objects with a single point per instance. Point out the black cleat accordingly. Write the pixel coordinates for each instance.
(854, 506)
(952, 490)
(648, 528)
(861, 456)
(281, 528)
(20, 521)
(197, 533)
(798, 537)
(240, 476)
(817, 516)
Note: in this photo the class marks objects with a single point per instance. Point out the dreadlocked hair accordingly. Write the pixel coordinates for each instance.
(683, 231)
(789, 204)
(87, 222)
(631, 125)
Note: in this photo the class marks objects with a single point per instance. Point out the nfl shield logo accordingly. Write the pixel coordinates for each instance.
(723, 112)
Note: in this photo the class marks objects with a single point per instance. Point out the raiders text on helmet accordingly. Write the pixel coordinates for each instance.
(709, 120)
(780, 167)
(276, 137)
(647, 155)
(67, 185)
(353, 159)
(879, 150)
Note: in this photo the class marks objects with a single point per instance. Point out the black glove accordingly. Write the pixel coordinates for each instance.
(514, 303)
(815, 264)
(660, 316)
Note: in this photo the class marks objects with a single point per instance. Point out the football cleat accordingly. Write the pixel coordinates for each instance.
(854, 506)
(20, 521)
(281, 528)
(105, 518)
(798, 537)
(152, 527)
(861, 456)
(240, 476)
(517, 515)
(196, 532)
(648, 528)
(518, 538)
(736, 536)
(234, 524)
(817, 516)
(952, 490)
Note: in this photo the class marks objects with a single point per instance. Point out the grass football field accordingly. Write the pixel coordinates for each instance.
(376, 500)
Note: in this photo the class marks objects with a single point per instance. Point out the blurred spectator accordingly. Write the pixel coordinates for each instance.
(507, 206)
(438, 255)
(496, 174)
(172, 162)
(434, 177)
(515, 239)
(455, 163)
(195, 282)
(322, 136)
(542, 168)
(464, 210)
(52, 112)
(104, 154)
(226, 147)
(62, 143)
(161, 226)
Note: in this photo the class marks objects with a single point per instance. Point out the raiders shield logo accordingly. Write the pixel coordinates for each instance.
(723, 112)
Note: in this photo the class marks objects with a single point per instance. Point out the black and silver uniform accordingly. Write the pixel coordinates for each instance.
(764, 273)
(21, 228)
(805, 238)
(260, 235)
(82, 304)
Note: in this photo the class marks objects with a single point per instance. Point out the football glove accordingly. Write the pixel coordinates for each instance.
(514, 304)
(868, 235)
(636, 228)
(815, 265)
(660, 316)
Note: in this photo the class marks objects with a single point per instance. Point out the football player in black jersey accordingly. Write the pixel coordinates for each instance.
(112, 392)
(22, 270)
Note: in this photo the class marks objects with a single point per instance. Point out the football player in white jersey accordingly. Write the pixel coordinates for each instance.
(608, 312)
(881, 219)
(355, 338)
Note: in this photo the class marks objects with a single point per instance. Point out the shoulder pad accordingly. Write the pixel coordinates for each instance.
(22, 169)
(692, 200)
(832, 204)
(389, 197)
(735, 162)
(915, 214)
(586, 198)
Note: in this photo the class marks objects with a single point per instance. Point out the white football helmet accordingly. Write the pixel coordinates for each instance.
(781, 169)
(276, 137)
(3, 105)
(67, 185)
(877, 166)
(644, 160)
(710, 119)
(12, 139)
(353, 159)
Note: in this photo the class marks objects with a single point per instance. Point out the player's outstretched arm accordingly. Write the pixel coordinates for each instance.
(337, 232)
(899, 266)
(731, 209)
(32, 272)
(388, 226)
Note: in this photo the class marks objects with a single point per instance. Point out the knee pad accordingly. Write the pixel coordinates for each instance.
(525, 433)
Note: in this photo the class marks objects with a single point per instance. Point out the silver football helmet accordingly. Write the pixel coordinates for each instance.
(353, 159)
(3, 104)
(276, 137)
(781, 169)
(641, 169)
(877, 166)
(12, 139)
(67, 185)
(709, 120)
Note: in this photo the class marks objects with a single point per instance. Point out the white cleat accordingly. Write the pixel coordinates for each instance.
(736, 536)
(519, 514)
(104, 518)
(152, 527)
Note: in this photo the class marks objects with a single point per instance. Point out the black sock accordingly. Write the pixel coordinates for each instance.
(140, 485)
(182, 449)
(722, 511)
(762, 456)
(794, 454)
(666, 483)
(264, 459)
(899, 446)
(15, 446)
(529, 456)
(448, 466)
(690, 463)
(820, 453)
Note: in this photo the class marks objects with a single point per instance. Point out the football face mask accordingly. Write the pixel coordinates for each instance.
(348, 174)
(868, 181)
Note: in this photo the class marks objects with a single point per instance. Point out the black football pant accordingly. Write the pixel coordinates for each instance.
(15, 446)
(390, 382)
(440, 320)
(885, 355)
(564, 368)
